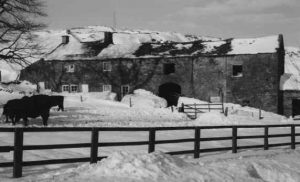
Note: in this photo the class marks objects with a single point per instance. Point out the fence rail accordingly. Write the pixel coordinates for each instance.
(192, 110)
(18, 148)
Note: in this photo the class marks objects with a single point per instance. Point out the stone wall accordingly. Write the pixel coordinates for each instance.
(198, 77)
(289, 95)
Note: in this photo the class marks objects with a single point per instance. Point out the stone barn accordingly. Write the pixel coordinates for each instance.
(242, 71)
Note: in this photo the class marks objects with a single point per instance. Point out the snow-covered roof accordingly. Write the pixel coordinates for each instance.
(143, 43)
(164, 44)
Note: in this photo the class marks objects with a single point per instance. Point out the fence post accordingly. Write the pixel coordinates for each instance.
(18, 153)
(260, 117)
(94, 146)
(182, 107)
(293, 142)
(151, 147)
(208, 107)
(130, 102)
(234, 139)
(226, 111)
(266, 138)
(197, 143)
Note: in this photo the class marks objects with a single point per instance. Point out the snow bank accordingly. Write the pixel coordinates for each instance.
(212, 118)
(144, 99)
(15, 91)
(153, 166)
(157, 166)
(188, 100)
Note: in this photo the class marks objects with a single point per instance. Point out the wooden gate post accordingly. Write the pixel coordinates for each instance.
(234, 139)
(18, 153)
(151, 147)
(94, 146)
(197, 143)
(293, 139)
(266, 138)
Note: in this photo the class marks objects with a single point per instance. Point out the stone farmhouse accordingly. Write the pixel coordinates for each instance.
(96, 59)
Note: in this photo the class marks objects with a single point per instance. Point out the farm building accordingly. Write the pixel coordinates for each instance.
(92, 59)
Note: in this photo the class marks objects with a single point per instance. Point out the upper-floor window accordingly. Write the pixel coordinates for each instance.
(169, 68)
(70, 68)
(106, 66)
(106, 88)
(237, 70)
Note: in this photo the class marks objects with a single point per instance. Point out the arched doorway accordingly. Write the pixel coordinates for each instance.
(171, 92)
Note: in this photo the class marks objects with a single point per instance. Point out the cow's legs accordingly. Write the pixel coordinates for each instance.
(6, 116)
(15, 119)
(45, 117)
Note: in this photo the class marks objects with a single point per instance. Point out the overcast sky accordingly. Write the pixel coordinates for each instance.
(217, 18)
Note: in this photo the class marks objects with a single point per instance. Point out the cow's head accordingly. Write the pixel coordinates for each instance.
(58, 101)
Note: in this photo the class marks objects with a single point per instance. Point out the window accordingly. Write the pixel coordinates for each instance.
(169, 68)
(237, 70)
(74, 88)
(106, 66)
(70, 68)
(65, 88)
(124, 90)
(106, 88)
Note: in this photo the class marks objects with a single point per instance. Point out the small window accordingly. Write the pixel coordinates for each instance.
(106, 66)
(74, 88)
(106, 88)
(237, 70)
(65, 88)
(70, 68)
(169, 68)
(124, 90)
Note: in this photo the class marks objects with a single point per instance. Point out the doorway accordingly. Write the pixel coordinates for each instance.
(296, 107)
(171, 92)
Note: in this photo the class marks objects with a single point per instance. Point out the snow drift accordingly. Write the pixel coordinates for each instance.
(142, 98)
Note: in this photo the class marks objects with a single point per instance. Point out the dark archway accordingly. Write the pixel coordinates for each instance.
(171, 92)
(296, 107)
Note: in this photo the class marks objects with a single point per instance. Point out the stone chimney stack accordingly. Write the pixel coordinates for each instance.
(65, 39)
(108, 38)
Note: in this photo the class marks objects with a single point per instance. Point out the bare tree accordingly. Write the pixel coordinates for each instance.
(16, 23)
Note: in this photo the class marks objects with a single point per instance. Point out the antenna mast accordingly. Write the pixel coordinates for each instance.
(114, 19)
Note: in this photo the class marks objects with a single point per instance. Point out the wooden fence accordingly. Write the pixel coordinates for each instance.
(192, 110)
(18, 148)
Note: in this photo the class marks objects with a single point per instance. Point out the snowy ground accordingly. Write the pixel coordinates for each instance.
(133, 164)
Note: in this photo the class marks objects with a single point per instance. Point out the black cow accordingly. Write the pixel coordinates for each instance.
(37, 105)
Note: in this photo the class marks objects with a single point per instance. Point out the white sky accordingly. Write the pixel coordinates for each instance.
(218, 18)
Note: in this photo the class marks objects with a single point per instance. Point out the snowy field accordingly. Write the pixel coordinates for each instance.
(133, 163)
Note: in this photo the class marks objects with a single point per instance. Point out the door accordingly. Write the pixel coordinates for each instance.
(296, 107)
(124, 90)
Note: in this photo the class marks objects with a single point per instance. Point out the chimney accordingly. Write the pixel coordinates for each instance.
(108, 38)
(65, 39)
